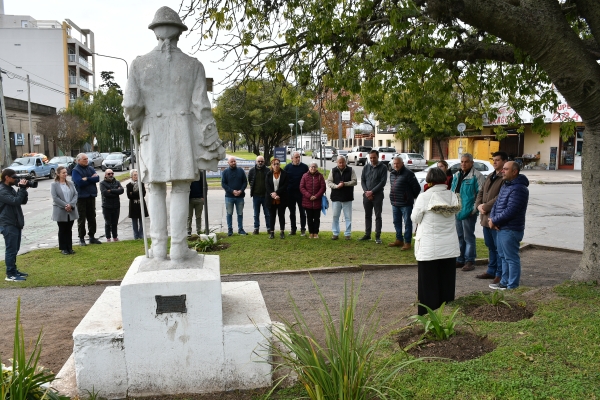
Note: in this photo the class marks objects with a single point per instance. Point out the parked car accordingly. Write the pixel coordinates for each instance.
(483, 166)
(116, 161)
(301, 151)
(342, 152)
(386, 154)
(62, 161)
(104, 155)
(33, 167)
(94, 159)
(359, 155)
(413, 161)
(329, 151)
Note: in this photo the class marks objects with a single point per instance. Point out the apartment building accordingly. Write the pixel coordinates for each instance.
(57, 56)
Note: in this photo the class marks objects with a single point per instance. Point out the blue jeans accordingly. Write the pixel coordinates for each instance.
(239, 207)
(257, 203)
(508, 249)
(12, 241)
(465, 229)
(336, 208)
(400, 213)
(490, 239)
(292, 202)
(138, 228)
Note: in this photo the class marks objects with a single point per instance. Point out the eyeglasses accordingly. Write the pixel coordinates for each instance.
(110, 173)
(275, 163)
(312, 166)
(260, 162)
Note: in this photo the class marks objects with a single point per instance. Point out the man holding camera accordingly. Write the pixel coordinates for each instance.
(85, 179)
(12, 221)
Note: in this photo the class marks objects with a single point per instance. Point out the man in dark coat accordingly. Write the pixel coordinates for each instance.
(85, 179)
(404, 188)
(508, 218)
(258, 191)
(111, 189)
(234, 182)
(373, 180)
(12, 221)
(196, 205)
(295, 171)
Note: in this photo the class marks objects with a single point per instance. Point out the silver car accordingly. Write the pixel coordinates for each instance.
(483, 166)
(116, 161)
(94, 159)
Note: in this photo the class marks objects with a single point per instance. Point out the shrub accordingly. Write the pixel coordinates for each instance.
(436, 324)
(344, 367)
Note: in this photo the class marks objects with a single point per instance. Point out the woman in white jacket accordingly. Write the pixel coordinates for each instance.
(436, 242)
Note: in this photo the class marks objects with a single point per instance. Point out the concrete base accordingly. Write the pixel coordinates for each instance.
(123, 347)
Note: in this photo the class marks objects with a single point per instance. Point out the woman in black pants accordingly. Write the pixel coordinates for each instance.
(64, 209)
(276, 183)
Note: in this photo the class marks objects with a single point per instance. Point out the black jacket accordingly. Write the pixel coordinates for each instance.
(11, 201)
(374, 178)
(111, 199)
(283, 186)
(252, 177)
(404, 187)
(135, 209)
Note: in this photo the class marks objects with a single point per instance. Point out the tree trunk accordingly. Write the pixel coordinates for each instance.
(439, 143)
(589, 268)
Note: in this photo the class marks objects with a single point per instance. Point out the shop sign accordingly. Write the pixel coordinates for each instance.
(37, 139)
(19, 139)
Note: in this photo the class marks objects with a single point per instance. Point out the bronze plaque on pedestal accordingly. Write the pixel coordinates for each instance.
(170, 304)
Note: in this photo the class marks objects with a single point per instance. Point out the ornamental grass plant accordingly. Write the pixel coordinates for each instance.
(344, 366)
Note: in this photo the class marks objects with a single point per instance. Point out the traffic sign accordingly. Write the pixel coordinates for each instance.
(345, 115)
(461, 127)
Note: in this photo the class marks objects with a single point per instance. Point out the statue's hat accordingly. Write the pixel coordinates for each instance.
(167, 16)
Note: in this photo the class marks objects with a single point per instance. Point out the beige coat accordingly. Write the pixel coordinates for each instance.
(167, 104)
(487, 196)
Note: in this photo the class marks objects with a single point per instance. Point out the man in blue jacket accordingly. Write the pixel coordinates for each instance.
(85, 179)
(234, 182)
(508, 218)
(12, 221)
(295, 170)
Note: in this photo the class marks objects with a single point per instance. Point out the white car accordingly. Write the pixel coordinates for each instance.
(483, 166)
(412, 161)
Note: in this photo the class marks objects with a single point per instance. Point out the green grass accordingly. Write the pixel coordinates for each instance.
(252, 253)
(554, 355)
(246, 155)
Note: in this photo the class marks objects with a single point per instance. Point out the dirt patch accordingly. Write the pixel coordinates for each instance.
(500, 313)
(464, 346)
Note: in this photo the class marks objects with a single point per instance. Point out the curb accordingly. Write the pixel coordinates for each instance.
(531, 246)
(558, 183)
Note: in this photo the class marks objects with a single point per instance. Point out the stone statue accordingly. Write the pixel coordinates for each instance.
(165, 102)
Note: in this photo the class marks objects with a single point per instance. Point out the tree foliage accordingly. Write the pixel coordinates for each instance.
(260, 111)
(67, 131)
(104, 114)
(514, 53)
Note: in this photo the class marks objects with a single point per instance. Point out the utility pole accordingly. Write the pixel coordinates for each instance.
(339, 130)
(29, 114)
(6, 156)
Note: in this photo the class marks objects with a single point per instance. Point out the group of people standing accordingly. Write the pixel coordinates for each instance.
(76, 201)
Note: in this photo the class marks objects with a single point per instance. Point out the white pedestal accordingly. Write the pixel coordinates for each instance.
(125, 346)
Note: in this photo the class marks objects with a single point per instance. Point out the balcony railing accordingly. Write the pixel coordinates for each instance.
(72, 80)
(84, 83)
(80, 60)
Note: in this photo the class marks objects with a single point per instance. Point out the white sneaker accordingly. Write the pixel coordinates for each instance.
(497, 286)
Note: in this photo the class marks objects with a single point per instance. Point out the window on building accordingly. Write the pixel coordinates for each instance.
(380, 143)
(24, 23)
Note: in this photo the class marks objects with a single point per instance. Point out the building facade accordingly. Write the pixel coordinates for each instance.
(57, 56)
(21, 140)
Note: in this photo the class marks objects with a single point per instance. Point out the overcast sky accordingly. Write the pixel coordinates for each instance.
(120, 30)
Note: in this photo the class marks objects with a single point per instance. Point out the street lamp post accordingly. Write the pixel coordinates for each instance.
(291, 131)
(127, 74)
(300, 122)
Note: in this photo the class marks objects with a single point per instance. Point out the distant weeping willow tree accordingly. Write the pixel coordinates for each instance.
(104, 114)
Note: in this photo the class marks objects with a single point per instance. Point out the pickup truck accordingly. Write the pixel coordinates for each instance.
(358, 155)
(386, 154)
(33, 167)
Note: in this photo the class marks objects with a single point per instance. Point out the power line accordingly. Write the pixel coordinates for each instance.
(31, 73)
(24, 79)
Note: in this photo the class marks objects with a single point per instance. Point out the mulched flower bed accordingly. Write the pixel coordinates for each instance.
(464, 346)
(500, 313)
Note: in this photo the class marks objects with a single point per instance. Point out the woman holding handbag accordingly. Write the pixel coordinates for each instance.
(277, 183)
(64, 209)
(312, 187)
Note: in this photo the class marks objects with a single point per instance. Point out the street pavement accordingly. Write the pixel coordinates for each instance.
(554, 214)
